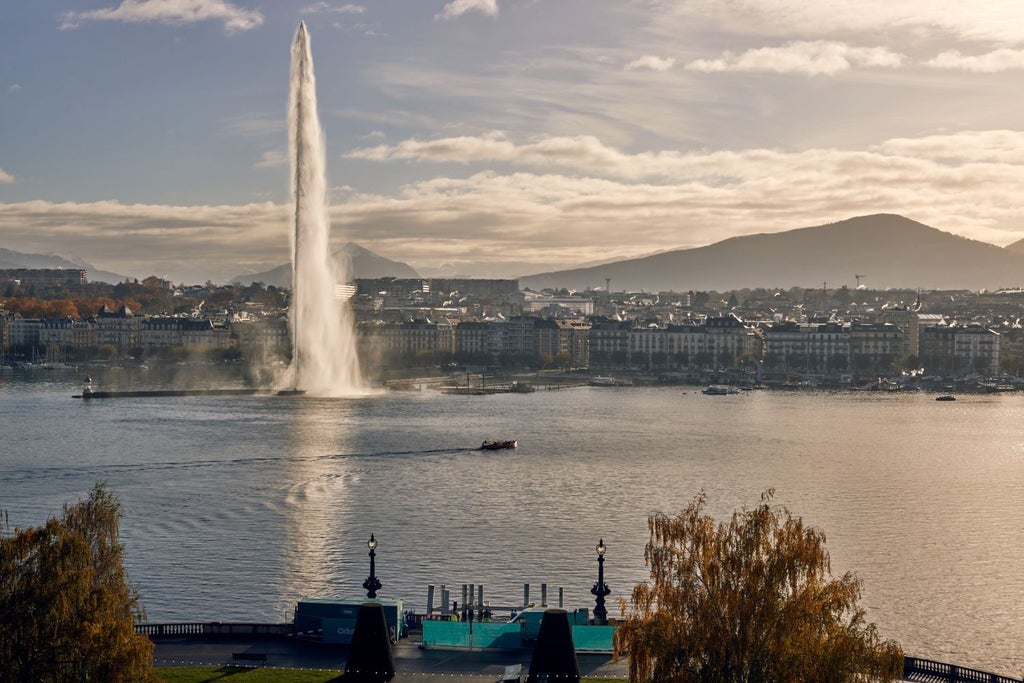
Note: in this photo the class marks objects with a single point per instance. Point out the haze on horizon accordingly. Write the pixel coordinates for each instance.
(502, 137)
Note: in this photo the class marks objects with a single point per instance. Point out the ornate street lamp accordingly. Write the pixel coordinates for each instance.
(372, 584)
(600, 589)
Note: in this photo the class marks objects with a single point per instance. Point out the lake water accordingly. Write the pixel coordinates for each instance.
(234, 508)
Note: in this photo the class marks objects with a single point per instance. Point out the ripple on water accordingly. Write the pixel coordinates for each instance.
(235, 508)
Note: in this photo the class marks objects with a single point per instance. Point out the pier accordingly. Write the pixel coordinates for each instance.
(158, 393)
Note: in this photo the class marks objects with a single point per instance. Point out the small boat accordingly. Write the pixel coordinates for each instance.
(492, 445)
(719, 390)
(947, 397)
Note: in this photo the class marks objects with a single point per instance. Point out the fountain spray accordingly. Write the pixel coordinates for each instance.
(324, 360)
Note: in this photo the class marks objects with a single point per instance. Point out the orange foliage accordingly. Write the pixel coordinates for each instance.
(79, 307)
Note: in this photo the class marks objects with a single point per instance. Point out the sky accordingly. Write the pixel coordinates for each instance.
(500, 138)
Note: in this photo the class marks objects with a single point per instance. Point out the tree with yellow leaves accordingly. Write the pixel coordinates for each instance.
(751, 601)
(66, 610)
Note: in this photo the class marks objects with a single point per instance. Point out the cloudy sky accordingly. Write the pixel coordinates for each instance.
(502, 137)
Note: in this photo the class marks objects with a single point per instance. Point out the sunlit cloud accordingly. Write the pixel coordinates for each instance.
(5, 177)
(812, 58)
(565, 201)
(1003, 59)
(990, 146)
(456, 8)
(651, 63)
(999, 21)
(175, 12)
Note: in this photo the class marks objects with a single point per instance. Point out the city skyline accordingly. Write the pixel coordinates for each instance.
(501, 137)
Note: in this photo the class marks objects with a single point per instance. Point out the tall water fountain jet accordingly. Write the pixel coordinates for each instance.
(324, 361)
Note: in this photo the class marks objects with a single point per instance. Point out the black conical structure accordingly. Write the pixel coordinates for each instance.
(370, 659)
(554, 659)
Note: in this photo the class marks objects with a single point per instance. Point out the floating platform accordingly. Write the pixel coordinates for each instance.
(147, 393)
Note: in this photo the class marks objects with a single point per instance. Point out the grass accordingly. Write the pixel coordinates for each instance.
(239, 674)
(242, 674)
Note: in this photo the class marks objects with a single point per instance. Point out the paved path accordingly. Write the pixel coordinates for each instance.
(412, 664)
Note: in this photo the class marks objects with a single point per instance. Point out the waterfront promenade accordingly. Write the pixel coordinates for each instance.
(412, 663)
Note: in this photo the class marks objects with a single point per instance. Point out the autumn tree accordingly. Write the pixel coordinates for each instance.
(67, 612)
(750, 601)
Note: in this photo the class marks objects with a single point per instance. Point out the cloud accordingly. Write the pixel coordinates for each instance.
(318, 7)
(255, 126)
(456, 8)
(652, 63)
(573, 200)
(812, 58)
(14, 87)
(272, 158)
(1000, 21)
(1003, 59)
(175, 12)
(988, 146)
(5, 177)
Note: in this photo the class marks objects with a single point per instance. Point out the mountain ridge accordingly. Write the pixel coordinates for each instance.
(362, 263)
(889, 250)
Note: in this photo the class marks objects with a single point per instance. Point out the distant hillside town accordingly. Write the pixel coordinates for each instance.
(840, 336)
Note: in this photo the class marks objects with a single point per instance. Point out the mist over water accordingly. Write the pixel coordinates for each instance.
(324, 361)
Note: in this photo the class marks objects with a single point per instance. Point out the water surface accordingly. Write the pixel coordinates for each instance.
(236, 507)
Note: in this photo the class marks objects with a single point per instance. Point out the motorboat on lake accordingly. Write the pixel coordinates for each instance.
(494, 445)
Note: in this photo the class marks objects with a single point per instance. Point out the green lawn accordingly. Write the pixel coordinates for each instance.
(237, 674)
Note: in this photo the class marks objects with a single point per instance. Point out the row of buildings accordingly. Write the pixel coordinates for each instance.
(118, 329)
(825, 348)
(492, 322)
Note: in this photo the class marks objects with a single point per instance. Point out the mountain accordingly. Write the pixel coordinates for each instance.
(1016, 248)
(362, 263)
(15, 259)
(886, 249)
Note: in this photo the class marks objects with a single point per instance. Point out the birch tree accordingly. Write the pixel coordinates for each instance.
(748, 601)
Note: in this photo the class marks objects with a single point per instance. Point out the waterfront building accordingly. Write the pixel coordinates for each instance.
(68, 333)
(609, 342)
(832, 347)
(23, 332)
(907, 319)
(937, 349)
(119, 328)
(471, 337)
(413, 337)
(976, 349)
(266, 336)
(563, 339)
(198, 334)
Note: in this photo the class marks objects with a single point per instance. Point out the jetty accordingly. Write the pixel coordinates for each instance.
(151, 393)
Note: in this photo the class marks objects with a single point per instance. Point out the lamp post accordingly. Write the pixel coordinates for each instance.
(600, 589)
(372, 583)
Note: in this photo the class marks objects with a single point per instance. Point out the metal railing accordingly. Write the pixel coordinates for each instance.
(928, 671)
(214, 628)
